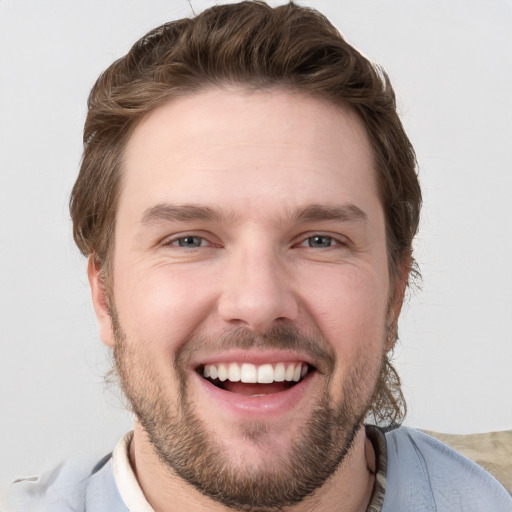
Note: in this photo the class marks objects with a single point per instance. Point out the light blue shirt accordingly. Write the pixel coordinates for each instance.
(422, 475)
(425, 475)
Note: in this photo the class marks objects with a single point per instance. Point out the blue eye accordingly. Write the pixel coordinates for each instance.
(320, 241)
(190, 242)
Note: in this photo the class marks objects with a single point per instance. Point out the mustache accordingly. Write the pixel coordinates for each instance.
(316, 348)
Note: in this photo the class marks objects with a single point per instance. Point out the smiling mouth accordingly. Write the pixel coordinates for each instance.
(255, 380)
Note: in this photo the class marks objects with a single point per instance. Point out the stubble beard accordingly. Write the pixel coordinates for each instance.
(186, 446)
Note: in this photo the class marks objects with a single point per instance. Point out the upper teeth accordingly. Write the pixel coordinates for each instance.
(251, 373)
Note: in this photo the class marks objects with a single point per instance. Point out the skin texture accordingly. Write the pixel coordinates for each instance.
(243, 277)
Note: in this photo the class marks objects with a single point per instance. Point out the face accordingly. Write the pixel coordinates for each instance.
(250, 296)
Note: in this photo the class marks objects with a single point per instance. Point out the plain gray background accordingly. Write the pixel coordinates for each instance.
(451, 65)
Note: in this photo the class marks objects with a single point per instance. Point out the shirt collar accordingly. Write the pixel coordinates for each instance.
(125, 478)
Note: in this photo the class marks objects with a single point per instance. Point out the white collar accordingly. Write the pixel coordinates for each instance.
(125, 478)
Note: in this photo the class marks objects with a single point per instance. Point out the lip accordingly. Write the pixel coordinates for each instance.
(254, 357)
(256, 407)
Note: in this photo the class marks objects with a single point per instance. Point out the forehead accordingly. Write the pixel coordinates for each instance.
(239, 148)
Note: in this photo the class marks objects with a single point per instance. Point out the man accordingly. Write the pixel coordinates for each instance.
(247, 201)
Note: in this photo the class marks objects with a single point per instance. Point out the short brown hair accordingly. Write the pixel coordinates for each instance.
(251, 45)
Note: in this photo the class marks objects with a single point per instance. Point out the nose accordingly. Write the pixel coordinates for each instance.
(257, 290)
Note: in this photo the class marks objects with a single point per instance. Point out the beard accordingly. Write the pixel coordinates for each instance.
(186, 445)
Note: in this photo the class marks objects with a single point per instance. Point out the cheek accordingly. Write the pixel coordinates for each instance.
(162, 306)
(349, 308)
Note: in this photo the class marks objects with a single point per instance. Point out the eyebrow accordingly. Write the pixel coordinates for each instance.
(343, 213)
(185, 212)
(188, 212)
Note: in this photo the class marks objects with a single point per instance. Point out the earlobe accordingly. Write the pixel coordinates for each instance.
(100, 300)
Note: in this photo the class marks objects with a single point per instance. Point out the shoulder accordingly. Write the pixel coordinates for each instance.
(70, 487)
(425, 474)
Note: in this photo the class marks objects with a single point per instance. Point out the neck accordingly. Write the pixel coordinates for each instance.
(347, 490)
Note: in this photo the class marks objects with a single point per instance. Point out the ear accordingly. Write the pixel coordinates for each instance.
(100, 300)
(397, 299)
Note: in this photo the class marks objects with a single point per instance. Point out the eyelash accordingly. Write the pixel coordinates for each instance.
(332, 240)
(176, 241)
